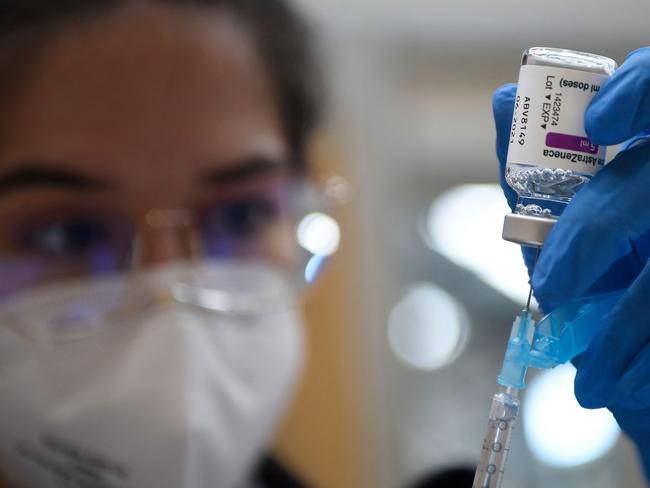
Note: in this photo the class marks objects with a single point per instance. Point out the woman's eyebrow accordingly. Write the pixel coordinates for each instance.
(50, 177)
(243, 170)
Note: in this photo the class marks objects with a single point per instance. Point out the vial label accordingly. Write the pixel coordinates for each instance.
(548, 123)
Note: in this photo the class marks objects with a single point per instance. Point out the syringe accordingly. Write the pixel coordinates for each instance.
(505, 403)
(505, 407)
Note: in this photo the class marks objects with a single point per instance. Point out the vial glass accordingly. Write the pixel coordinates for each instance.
(550, 156)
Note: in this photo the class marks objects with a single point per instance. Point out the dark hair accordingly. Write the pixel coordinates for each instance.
(283, 40)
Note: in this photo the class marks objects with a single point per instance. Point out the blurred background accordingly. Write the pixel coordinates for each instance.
(409, 325)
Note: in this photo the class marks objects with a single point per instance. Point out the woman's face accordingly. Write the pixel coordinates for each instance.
(149, 107)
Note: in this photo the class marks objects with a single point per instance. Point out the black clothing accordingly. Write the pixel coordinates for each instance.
(271, 474)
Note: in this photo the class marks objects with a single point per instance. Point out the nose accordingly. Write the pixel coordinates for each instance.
(165, 236)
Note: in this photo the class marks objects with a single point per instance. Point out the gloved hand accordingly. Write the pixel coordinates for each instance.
(602, 243)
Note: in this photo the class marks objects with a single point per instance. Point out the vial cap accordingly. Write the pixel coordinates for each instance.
(527, 230)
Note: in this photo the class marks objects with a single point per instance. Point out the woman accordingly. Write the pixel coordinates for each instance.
(151, 173)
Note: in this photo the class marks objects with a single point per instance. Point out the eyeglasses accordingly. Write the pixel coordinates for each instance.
(283, 223)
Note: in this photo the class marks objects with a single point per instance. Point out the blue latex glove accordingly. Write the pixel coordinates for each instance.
(602, 243)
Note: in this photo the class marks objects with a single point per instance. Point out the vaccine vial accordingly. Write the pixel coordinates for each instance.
(550, 156)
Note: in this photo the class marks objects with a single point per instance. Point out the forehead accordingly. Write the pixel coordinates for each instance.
(144, 87)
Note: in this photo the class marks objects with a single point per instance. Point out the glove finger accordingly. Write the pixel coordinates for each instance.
(633, 388)
(622, 273)
(614, 350)
(598, 228)
(636, 425)
(620, 110)
(503, 106)
(637, 138)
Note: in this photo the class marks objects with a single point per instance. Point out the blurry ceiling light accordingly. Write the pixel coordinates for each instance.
(559, 432)
(427, 329)
(464, 224)
(319, 234)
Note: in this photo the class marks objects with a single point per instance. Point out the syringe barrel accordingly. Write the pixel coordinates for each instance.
(496, 444)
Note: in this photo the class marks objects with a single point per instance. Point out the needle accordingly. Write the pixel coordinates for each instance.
(530, 291)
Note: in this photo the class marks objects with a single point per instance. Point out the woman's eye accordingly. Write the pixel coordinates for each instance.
(65, 238)
(240, 219)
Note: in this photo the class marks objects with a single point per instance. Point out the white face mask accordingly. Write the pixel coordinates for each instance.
(177, 398)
